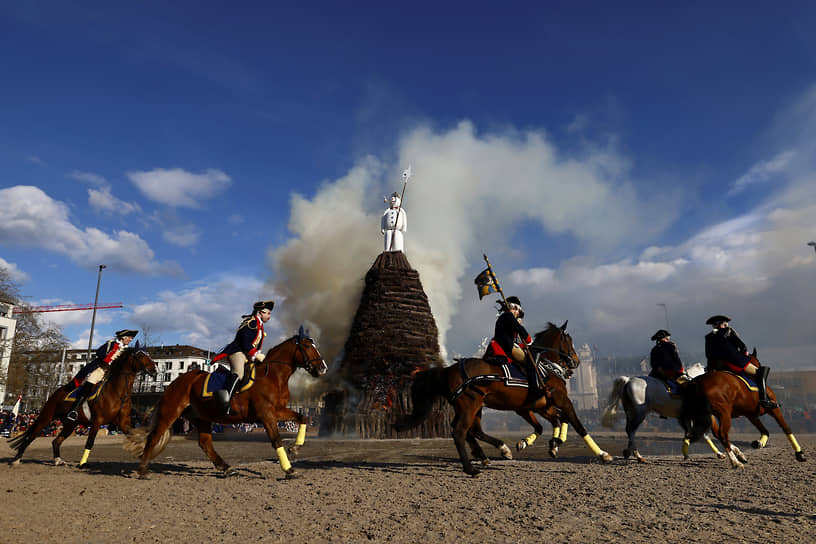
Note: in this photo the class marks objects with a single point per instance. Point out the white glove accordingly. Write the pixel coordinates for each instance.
(259, 357)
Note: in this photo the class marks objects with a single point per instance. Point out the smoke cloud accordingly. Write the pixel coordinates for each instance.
(469, 193)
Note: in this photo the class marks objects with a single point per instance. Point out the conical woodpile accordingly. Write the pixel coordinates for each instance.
(392, 337)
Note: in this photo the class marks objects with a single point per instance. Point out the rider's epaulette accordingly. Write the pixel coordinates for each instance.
(249, 322)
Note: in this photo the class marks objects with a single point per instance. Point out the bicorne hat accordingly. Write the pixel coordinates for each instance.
(263, 305)
(715, 320)
(661, 334)
(126, 332)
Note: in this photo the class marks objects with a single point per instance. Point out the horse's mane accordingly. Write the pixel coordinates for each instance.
(118, 363)
(550, 328)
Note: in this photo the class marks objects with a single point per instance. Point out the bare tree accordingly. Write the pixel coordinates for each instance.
(35, 351)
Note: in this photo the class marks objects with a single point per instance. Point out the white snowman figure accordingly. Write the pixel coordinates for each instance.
(393, 224)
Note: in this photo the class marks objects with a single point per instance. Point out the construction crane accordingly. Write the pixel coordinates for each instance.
(64, 308)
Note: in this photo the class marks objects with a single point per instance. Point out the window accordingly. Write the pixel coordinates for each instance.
(167, 377)
(168, 365)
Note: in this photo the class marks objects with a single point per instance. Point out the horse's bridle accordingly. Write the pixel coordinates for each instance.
(306, 362)
(564, 359)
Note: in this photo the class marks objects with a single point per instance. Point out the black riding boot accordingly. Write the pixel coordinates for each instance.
(82, 395)
(224, 396)
(761, 378)
(533, 391)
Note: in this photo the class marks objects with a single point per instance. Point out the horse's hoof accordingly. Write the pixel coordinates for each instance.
(521, 445)
(83, 465)
(505, 451)
(605, 457)
(756, 444)
(58, 462)
(293, 452)
(800, 456)
(554, 453)
(626, 453)
(291, 474)
(486, 462)
(14, 463)
(229, 471)
(144, 475)
(721, 455)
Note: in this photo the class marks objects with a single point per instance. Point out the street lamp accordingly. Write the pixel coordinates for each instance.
(93, 319)
(666, 311)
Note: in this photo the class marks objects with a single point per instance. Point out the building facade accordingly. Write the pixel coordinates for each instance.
(8, 326)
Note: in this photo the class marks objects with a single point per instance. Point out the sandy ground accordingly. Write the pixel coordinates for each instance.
(411, 491)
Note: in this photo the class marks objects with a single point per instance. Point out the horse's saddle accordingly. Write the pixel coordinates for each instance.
(510, 374)
(672, 387)
(72, 396)
(746, 379)
(215, 380)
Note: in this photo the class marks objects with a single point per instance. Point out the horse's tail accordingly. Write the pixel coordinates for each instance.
(427, 387)
(696, 412)
(46, 415)
(610, 414)
(136, 439)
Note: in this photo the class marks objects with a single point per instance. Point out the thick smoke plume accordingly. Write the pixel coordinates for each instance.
(469, 193)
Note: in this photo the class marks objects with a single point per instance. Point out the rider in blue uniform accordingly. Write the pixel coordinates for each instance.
(665, 361)
(246, 346)
(725, 350)
(92, 373)
(508, 337)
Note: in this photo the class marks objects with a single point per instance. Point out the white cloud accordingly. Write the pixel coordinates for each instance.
(102, 199)
(177, 187)
(763, 172)
(13, 271)
(206, 314)
(89, 177)
(32, 218)
(755, 268)
(174, 230)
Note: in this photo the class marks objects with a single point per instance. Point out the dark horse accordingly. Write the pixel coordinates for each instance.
(265, 401)
(723, 396)
(111, 405)
(471, 384)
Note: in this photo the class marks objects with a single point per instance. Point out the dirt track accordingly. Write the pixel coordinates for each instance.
(411, 491)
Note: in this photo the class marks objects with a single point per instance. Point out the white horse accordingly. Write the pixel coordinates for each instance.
(641, 395)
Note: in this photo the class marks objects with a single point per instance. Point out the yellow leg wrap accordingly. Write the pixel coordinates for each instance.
(764, 440)
(686, 443)
(794, 443)
(283, 458)
(712, 445)
(530, 439)
(592, 445)
(301, 437)
(556, 432)
(85, 455)
(564, 427)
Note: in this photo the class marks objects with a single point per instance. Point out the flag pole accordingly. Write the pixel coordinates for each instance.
(504, 299)
(405, 174)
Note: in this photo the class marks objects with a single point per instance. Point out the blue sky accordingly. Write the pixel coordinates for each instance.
(606, 157)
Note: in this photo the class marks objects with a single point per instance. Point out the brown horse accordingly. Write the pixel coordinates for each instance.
(472, 384)
(110, 403)
(265, 400)
(561, 359)
(723, 396)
